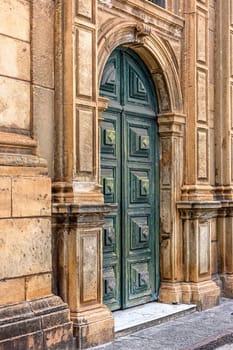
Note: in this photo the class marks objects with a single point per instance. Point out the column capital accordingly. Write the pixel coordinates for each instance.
(171, 123)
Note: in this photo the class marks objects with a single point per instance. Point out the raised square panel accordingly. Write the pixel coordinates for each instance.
(84, 141)
(14, 103)
(201, 37)
(85, 8)
(204, 248)
(202, 144)
(139, 232)
(90, 267)
(137, 89)
(139, 142)
(202, 96)
(84, 59)
(139, 278)
(139, 186)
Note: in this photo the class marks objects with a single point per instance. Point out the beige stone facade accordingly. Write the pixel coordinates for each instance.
(52, 58)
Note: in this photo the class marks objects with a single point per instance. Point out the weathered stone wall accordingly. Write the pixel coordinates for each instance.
(52, 55)
(37, 319)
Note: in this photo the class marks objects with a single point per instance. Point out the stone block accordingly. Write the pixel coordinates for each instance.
(43, 123)
(29, 341)
(14, 58)
(42, 43)
(94, 334)
(25, 247)
(85, 144)
(15, 18)
(59, 338)
(12, 291)
(56, 318)
(31, 196)
(5, 197)
(14, 103)
(22, 326)
(38, 286)
(84, 54)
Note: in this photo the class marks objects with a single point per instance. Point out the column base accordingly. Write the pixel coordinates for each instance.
(39, 324)
(93, 327)
(227, 285)
(204, 294)
(170, 293)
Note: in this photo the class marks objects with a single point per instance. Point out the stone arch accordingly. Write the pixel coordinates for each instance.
(152, 50)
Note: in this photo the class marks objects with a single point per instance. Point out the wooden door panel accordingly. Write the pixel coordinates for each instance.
(129, 176)
(111, 184)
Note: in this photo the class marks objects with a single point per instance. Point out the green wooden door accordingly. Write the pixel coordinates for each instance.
(129, 175)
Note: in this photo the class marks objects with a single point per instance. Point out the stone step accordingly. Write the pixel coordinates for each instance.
(148, 315)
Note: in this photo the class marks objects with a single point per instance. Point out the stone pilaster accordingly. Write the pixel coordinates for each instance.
(198, 94)
(78, 201)
(78, 242)
(171, 132)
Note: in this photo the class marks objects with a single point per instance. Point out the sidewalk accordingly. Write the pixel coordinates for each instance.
(206, 330)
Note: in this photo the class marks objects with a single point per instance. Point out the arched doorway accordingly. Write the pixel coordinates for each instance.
(129, 173)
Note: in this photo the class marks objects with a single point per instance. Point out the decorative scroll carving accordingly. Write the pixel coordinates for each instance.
(141, 31)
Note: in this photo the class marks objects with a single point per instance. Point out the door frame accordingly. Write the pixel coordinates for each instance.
(162, 65)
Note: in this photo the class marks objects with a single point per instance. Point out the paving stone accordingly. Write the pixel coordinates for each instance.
(197, 331)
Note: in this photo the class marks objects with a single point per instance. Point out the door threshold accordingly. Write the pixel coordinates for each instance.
(140, 317)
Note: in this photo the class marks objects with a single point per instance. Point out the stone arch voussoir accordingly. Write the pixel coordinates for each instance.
(153, 51)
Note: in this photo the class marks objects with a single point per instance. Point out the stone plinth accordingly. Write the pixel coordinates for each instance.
(199, 220)
(78, 249)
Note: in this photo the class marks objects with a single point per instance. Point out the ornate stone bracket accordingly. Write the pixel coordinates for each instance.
(141, 31)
